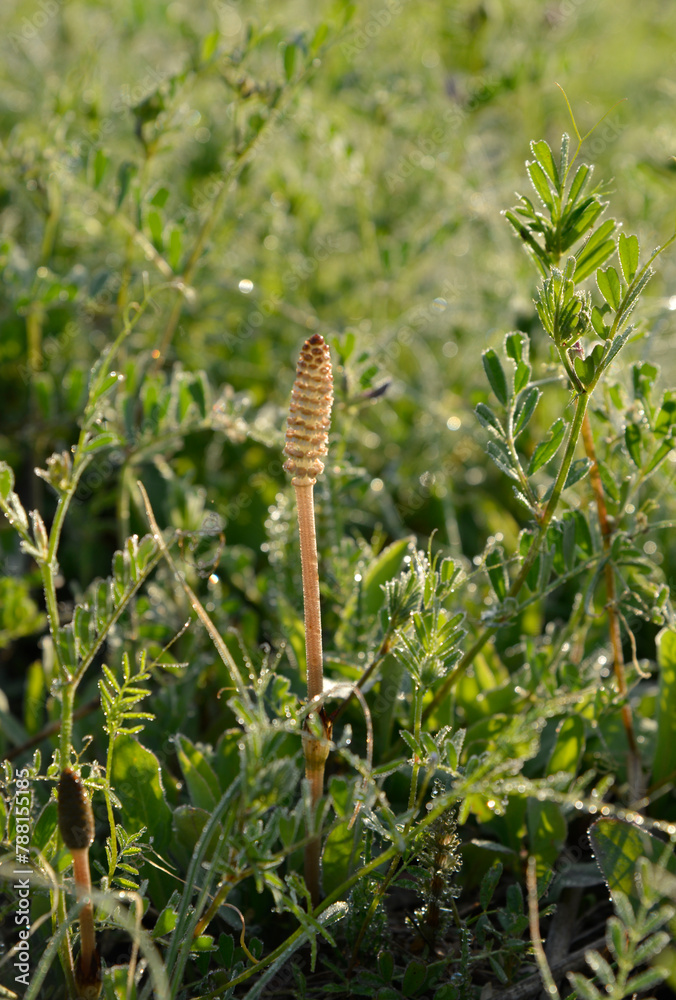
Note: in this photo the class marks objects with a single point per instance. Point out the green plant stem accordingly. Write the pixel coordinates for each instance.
(67, 706)
(417, 726)
(111, 816)
(531, 555)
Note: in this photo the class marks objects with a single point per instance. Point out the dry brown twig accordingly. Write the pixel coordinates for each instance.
(307, 441)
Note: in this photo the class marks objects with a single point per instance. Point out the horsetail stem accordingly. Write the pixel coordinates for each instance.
(76, 824)
(307, 441)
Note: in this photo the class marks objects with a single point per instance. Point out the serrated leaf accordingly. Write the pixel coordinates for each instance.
(546, 449)
(609, 286)
(628, 252)
(495, 375)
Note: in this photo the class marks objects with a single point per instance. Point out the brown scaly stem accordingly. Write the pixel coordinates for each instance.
(306, 443)
(76, 823)
(611, 600)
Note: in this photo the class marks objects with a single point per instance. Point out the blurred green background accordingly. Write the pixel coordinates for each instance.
(353, 162)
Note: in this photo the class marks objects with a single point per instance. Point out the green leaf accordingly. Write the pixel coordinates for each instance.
(495, 375)
(524, 409)
(107, 383)
(578, 470)
(6, 480)
(290, 53)
(666, 418)
(160, 198)
(188, 822)
(414, 978)
(489, 884)
(547, 829)
(489, 420)
(156, 227)
(101, 162)
(521, 376)
(209, 45)
(175, 248)
(585, 369)
(45, 827)
(124, 177)
(634, 440)
(385, 965)
(617, 847)
(384, 567)
(539, 181)
(664, 762)
(543, 155)
(514, 344)
(203, 785)
(628, 251)
(609, 286)
(104, 440)
(584, 987)
(569, 746)
(499, 452)
(578, 184)
(595, 251)
(497, 572)
(166, 921)
(137, 781)
(341, 849)
(546, 449)
(319, 38)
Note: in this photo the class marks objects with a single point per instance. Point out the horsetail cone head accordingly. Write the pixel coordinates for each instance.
(76, 819)
(307, 429)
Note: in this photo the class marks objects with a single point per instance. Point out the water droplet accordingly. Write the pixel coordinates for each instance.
(578, 804)
(246, 286)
